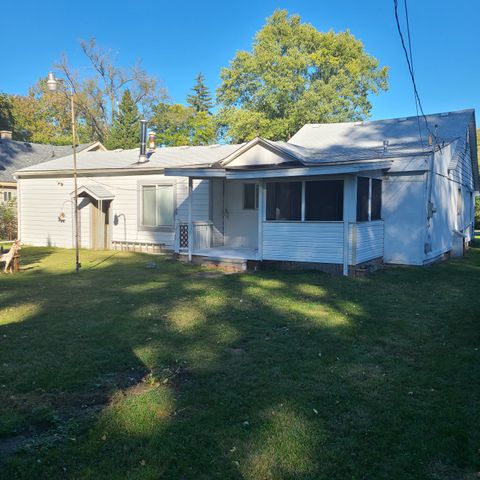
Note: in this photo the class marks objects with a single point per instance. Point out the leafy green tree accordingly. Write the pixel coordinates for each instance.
(294, 75)
(125, 131)
(200, 99)
(6, 112)
(8, 220)
(178, 125)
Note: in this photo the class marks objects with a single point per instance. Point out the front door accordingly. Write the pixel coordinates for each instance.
(100, 224)
(241, 214)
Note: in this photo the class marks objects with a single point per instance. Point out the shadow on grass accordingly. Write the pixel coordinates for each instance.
(136, 373)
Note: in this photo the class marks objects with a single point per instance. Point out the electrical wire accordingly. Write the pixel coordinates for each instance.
(410, 65)
(413, 69)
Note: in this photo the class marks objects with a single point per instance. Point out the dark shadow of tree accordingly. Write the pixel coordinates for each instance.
(266, 376)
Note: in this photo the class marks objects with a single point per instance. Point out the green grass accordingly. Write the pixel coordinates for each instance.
(128, 372)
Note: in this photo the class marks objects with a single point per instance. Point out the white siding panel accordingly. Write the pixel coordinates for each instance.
(303, 242)
(368, 242)
(43, 199)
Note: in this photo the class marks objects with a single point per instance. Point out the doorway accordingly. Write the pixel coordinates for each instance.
(241, 214)
(100, 224)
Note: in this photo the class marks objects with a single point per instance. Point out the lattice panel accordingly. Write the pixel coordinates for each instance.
(183, 236)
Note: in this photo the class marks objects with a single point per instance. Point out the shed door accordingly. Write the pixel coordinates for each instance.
(100, 224)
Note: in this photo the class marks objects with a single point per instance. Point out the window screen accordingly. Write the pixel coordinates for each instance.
(376, 199)
(284, 201)
(148, 206)
(157, 205)
(250, 196)
(324, 200)
(363, 190)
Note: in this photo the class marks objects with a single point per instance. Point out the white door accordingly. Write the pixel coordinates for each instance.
(241, 214)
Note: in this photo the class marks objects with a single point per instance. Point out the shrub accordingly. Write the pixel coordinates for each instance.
(8, 220)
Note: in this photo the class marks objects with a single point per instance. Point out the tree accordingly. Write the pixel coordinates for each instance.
(6, 112)
(296, 75)
(177, 125)
(125, 131)
(96, 97)
(200, 99)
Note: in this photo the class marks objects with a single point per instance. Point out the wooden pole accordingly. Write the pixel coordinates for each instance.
(74, 134)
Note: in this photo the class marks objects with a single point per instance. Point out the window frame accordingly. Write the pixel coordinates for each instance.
(369, 200)
(156, 228)
(303, 210)
(302, 201)
(256, 193)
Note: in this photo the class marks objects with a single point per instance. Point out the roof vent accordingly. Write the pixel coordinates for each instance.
(403, 119)
(385, 146)
(445, 114)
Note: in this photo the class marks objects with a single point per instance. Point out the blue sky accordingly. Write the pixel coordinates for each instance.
(176, 40)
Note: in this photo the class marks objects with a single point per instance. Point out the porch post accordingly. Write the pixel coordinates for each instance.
(261, 216)
(190, 233)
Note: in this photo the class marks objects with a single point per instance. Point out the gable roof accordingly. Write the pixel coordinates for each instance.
(128, 159)
(401, 141)
(362, 140)
(15, 155)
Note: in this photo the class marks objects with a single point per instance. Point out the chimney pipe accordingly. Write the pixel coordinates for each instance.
(143, 142)
(151, 141)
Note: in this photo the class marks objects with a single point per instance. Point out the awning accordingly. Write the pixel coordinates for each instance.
(237, 174)
(95, 191)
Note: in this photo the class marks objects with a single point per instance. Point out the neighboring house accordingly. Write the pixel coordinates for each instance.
(15, 155)
(334, 197)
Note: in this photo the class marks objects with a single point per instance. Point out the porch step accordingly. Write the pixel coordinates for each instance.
(227, 264)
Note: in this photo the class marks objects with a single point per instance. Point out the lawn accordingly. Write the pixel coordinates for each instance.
(175, 372)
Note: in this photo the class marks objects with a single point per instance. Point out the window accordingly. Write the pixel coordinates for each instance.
(284, 200)
(324, 200)
(369, 199)
(7, 196)
(157, 205)
(250, 196)
(363, 194)
(376, 199)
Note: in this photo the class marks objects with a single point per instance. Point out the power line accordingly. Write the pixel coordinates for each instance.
(413, 70)
(410, 62)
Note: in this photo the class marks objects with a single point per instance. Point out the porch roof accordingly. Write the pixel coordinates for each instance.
(95, 191)
(279, 171)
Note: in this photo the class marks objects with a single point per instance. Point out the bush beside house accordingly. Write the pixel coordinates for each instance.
(8, 220)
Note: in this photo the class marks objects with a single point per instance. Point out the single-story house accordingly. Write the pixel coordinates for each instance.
(334, 197)
(15, 155)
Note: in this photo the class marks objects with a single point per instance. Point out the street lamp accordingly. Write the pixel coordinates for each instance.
(52, 85)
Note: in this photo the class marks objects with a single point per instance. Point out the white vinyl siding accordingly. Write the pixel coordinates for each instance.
(303, 242)
(43, 199)
(366, 241)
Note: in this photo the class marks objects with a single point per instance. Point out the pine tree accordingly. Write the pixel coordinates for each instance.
(125, 132)
(200, 98)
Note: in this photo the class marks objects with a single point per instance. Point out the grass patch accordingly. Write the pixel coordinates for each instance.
(128, 372)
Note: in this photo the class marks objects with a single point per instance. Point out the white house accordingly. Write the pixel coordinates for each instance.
(334, 197)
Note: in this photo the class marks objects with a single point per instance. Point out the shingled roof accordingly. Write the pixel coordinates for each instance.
(15, 155)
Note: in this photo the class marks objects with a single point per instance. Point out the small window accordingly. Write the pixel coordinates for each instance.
(376, 199)
(324, 200)
(7, 196)
(157, 209)
(363, 194)
(250, 196)
(284, 201)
